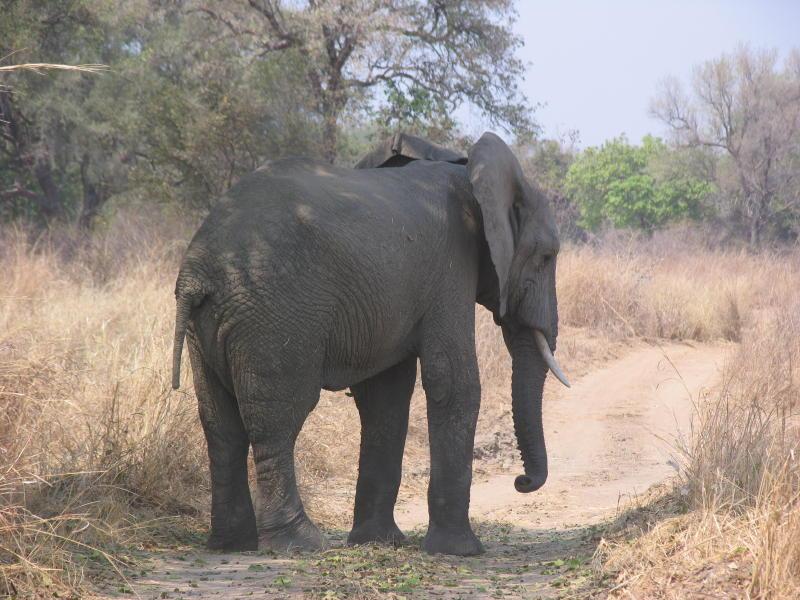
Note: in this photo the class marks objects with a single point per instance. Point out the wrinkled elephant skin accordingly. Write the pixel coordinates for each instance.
(306, 276)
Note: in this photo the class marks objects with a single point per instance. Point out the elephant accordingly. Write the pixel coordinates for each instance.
(306, 276)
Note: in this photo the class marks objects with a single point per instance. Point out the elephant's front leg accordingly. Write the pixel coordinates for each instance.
(383, 403)
(452, 387)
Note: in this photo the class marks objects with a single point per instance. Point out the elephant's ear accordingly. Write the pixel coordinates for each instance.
(497, 183)
(401, 148)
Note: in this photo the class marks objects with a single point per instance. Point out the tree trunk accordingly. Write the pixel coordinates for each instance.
(330, 135)
(49, 202)
(755, 232)
(94, 196)
(32, 161)
(758, 219)
(333, 102)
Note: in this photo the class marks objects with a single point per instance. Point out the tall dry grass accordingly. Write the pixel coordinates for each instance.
(99, 455)
(94, 444)
(739, 487)
(636, 290)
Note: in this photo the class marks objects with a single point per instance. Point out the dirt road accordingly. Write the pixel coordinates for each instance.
(610, 438)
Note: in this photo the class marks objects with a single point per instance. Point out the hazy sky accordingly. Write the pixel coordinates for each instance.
(596, 64)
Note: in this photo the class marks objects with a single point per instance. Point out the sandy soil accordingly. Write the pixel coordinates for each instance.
(611, 436)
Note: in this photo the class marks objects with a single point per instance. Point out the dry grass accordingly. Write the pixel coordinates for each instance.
(98, 455)
(739, 488)
(687, 293)
(91, 435)
(40, 68)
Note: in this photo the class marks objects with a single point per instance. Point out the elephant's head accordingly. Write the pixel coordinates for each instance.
(523, 243)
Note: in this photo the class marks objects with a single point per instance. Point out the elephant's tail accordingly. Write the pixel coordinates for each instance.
(189, 293)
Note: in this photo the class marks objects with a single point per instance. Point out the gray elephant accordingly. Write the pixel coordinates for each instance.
(307, 276)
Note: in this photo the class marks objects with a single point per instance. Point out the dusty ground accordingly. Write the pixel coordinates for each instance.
(610, 437)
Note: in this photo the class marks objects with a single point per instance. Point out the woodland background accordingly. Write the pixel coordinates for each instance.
(200, 92)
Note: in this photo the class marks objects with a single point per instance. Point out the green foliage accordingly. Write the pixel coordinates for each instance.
(547, 163)
(199, 93)
(180, 115)
(415, 110)
(630, 186)
(207, 116)
(53, 125)
(420, 53)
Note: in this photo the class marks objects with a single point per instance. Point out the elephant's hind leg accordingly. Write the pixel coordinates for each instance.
(274, 412)
(233, 522)
(383, 403)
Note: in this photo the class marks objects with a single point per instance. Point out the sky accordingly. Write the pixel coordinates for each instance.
(597, 64)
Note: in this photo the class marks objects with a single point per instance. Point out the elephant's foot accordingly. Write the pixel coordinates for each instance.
(232, 543)
(374, 531)
(456, 541)
(299, 534)
(233, 529)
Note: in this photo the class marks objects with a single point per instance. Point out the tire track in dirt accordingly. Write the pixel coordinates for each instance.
(609, 438)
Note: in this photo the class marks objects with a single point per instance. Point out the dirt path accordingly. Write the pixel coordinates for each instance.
(610, 438)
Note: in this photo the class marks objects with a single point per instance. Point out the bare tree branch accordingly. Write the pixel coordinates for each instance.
(749, 109)
(453, 51)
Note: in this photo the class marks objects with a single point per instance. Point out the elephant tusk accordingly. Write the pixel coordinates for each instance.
(544, 350)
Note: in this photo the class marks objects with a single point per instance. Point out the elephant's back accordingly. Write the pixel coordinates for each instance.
(308, 211)
(353, 256)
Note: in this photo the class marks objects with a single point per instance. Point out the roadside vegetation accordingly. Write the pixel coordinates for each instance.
(729, 526)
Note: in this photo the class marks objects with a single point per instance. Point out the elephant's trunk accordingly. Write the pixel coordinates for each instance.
(527, 387)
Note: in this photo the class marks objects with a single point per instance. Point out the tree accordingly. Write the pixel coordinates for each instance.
(630, 186)
(417, 112)
(743, 107)
(205, 115)
(547, 162)
(170, 120)
(445, 52)
(58, 155)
